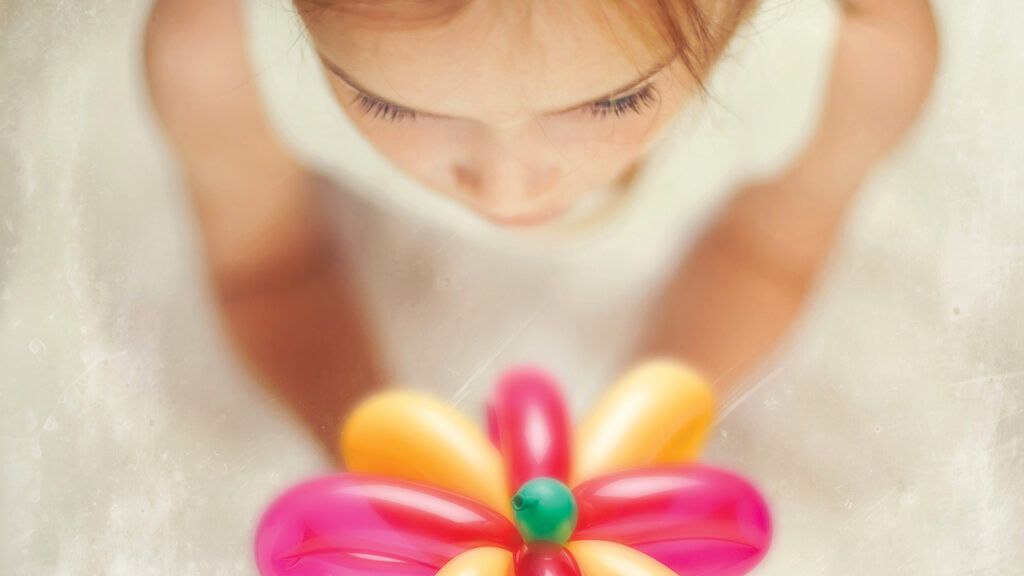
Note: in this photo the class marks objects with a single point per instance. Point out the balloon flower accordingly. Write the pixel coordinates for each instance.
(427, 494)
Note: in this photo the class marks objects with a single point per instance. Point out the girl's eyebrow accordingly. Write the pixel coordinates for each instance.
(632, 85)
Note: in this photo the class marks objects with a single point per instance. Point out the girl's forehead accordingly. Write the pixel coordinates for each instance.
(492, 59)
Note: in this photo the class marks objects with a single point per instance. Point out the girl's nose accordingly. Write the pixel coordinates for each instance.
(503, 181)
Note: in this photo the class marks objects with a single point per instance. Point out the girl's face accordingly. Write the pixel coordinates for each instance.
(518, 110)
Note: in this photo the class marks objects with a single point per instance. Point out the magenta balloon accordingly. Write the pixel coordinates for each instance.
(694, 519)
(492, 426)
(356, 525)
(528, 422)
(544, 559)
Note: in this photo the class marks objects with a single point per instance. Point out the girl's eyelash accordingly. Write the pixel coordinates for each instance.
(637, 102)
(380, 110)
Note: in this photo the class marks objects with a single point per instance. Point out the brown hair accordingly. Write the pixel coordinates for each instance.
(696, 30)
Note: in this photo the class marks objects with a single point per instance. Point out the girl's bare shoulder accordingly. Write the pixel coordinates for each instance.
(202, 86)
(253, 199)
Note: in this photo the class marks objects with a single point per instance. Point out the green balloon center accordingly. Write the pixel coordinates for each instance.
(545, 509)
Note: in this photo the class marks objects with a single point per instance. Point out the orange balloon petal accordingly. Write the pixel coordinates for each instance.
(600, 558)
(414, 437)
(657, 413)
(486, 561)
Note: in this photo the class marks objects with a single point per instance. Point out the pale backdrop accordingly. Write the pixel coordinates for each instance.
(887, 432)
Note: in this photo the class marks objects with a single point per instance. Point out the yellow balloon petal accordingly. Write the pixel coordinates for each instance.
(485, 561)
(658, 413)
(415, 437)
(600, 558)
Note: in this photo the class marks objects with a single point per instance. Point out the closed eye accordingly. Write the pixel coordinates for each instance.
(637, 102)
(381, 110)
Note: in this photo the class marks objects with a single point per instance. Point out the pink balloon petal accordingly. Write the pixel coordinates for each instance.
(357, 525)
(493, 433)
(695, 519)
(528, 422)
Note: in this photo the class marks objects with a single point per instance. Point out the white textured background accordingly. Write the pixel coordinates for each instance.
(888, 433)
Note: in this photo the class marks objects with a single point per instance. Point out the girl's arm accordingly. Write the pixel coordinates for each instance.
(747, 279)
(288, 304)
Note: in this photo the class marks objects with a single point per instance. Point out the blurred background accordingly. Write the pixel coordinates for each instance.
(887, 432)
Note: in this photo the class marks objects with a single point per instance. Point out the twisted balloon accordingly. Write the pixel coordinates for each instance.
(428, 494)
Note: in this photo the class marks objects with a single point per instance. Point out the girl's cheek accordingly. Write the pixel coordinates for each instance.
(601, 146)
(399, 140)
(423, 151)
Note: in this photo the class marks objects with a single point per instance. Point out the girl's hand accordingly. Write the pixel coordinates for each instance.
(747, 279)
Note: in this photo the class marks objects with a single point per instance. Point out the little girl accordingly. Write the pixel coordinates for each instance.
(537, 119)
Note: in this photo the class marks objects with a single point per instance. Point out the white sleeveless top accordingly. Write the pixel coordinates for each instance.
(456, 300)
